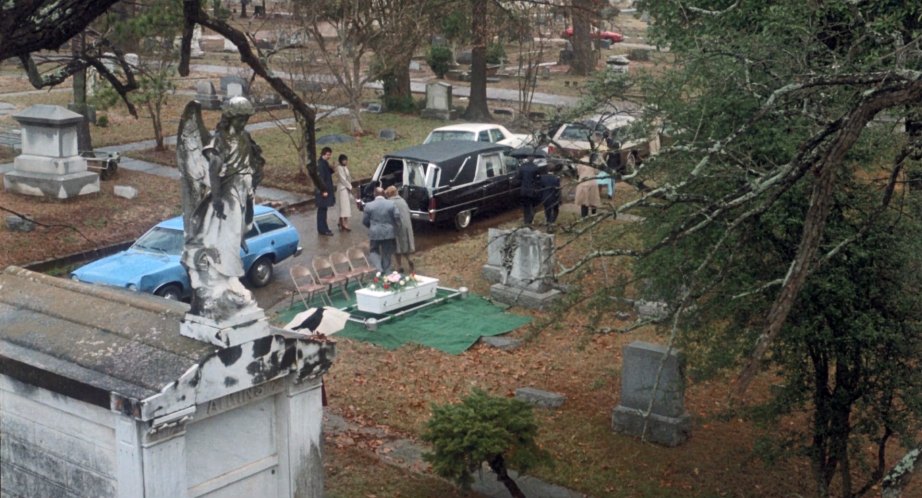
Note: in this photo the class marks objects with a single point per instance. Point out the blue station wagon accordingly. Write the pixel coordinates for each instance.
(152, 264)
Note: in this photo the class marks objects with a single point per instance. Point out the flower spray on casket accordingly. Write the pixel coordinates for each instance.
(392, 282)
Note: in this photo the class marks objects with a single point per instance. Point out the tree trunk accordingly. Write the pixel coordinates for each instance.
(498, 465)
(154, 110)
(477, 109)
(583, 61)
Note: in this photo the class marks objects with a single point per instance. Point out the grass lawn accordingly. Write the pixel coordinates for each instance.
(283, 165)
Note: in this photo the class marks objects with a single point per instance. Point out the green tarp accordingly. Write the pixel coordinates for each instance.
(451, 326)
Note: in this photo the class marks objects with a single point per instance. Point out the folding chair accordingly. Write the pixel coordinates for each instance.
(343, 267)
(327, 274)
(307, 286)
(360, 263)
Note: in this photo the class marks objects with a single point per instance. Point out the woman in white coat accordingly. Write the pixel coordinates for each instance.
(344, 192)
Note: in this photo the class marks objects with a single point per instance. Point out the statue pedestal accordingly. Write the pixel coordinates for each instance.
(240, 329)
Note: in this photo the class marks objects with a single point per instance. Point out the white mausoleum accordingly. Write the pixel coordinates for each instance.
(101, 396)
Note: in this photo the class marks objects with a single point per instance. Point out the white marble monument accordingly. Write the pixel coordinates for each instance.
(50, 164)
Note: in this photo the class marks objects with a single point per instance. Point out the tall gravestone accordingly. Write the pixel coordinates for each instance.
(520, 264)
(669, 423)
(438, 101)
(50, 164)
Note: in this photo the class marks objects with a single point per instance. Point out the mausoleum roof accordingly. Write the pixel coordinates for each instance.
(100, 340)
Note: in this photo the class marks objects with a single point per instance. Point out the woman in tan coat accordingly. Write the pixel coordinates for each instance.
(587, 191)
(344, 192)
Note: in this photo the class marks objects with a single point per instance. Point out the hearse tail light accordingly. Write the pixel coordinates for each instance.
(432, 209)
(551, 150)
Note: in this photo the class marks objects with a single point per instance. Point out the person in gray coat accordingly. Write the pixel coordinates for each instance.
(383, 221)
(405, 242)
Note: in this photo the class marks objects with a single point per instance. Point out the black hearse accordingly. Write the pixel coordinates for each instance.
(449, 181)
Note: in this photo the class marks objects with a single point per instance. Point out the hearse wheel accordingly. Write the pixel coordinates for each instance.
(463, 219)
(631, 162)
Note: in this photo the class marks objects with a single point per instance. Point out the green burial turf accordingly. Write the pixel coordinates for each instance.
(451, 326)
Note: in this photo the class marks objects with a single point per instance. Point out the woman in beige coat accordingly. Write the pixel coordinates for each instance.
(587, 191)
(344, 192)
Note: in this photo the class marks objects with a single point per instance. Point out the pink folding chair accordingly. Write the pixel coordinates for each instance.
(307, 286)
(327, 275)
(360, 263)
(343, 267)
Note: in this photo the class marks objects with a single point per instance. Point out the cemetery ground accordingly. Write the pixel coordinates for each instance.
(573, 350)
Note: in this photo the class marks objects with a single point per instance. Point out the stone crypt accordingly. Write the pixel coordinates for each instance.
(105, 392)
(100, 395)
(50, 164)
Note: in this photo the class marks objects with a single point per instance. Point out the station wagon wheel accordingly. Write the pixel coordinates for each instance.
(261, 272)
(463, 219)
(170, 291)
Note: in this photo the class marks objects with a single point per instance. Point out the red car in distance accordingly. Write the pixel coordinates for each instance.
(604, 35)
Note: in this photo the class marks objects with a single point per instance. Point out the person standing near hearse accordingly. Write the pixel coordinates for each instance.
(383, 221)
(587, 190)
(528, 176)
(344, 192)
(324, 195)
(406, 244)
(550, 198)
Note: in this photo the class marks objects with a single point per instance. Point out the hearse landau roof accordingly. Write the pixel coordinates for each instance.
(445, 151)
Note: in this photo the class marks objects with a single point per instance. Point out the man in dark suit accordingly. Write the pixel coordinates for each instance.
(323, 194)
(528, 175)
(382, 218)
(550, 197)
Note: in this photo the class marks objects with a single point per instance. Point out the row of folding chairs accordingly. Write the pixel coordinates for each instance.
(328, 273)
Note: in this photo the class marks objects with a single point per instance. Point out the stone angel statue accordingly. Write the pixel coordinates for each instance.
(220, 173)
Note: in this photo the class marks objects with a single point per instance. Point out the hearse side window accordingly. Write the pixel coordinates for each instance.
(497, 135)
(392, 173)
(466, 173)
(269, 222)
(415, 174)
(484, 136)
(490, 165)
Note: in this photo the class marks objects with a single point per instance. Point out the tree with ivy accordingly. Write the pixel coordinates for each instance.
(483, 428)
(778, 225)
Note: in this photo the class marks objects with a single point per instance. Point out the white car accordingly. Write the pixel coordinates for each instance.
(479, 132)
(572, 139)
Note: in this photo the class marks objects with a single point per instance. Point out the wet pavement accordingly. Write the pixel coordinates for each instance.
(278, 293)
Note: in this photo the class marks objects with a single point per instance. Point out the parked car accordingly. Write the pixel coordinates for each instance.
(478, 132)
(152, 264)
(596, 34)
(449, 181)
(572, 140)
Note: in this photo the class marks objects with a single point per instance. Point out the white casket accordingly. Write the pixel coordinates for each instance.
(382, 301)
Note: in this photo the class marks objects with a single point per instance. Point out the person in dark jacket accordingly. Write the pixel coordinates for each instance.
(550, 198)
(324, 194)
(528, 176)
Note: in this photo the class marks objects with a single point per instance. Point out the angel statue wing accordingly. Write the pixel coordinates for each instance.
(193, 136)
